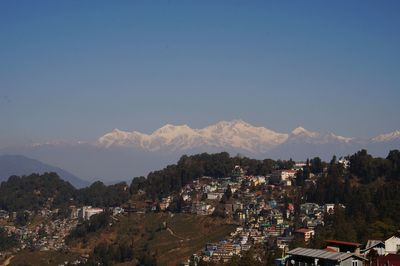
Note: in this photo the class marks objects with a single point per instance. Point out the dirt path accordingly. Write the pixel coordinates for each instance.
(175, 235)
(7, 261)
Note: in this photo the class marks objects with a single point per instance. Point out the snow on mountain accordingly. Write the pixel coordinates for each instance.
(395, 135)
(301, 134)
(300, 131)
(225, 134)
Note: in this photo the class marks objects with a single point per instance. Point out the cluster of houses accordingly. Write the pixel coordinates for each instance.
(262, 216)
(312, 214)
(49, 234)
(342, 253)
(256, 205)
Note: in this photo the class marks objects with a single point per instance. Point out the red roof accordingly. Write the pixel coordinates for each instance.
(330, 249)
(343, 243)
(303, 230)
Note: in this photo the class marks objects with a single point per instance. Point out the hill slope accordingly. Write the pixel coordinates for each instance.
(20, 165)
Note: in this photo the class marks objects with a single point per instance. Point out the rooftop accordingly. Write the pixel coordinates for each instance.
(338, 242)
(321, 254)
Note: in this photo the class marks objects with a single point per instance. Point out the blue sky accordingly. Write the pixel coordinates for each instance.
(74, 70)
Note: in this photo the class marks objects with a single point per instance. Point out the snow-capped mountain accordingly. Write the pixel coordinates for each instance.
(301, 134)
(392, 136)
(120, 155)
(229, 134)
(235, 134)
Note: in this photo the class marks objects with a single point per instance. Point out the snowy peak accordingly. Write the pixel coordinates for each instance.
(395, 135)
(301, 134)
(225, 134)
(339, 138)
(301, 131)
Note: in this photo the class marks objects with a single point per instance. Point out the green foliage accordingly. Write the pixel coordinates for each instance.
(369, 190)
(368, 168)
(100, 195)
(96, 222)
(171, 179)
(22, 218)
(316, 165)
(6, 241)
(109, 254)
(34, 191)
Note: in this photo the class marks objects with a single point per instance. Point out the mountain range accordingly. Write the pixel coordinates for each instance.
(234, 135)
(20, 165)
(121, 155)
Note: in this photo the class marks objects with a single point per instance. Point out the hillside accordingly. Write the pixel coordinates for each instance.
(20, 165)
(185, 234)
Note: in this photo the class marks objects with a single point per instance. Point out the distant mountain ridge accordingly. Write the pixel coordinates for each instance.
(235, 134)
(20, 165)
(121, 155)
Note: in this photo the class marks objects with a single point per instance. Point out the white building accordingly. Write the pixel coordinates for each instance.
(92, 211)
(283, 175)
(392, 244)
(87, 211)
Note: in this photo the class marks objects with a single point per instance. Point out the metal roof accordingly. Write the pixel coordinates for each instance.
(321, 254)
(338, 242)
(373, 243)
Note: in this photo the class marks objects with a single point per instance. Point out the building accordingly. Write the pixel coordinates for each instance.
(392, 244)
(91, 211)
(305, 233)
(377, 245)
(214, 195)
(343, 246)
(308, 256)
(388, 260)
(283, 175)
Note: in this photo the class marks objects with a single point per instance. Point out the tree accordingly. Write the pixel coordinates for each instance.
(6, 241)
(22, 218)
(316, 166)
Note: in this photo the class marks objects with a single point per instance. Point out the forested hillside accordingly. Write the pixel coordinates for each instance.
(37, 191)
(370, 190)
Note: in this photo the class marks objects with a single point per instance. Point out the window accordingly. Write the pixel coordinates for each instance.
(398, 248)
(354, 263)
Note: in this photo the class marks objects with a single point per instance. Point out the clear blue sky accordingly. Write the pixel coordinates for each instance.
(75, 70)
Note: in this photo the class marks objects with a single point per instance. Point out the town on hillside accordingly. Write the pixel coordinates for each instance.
(271, 220)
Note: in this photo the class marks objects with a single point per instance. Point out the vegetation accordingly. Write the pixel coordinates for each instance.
(95, 223)
(369, 189)
(6, 241)
(100, 195)
(35, 191)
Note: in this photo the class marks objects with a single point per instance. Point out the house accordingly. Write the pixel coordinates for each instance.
(343, 246)
(215, 195)
(305, 233)
(308, 256)
(392, 244)
(329, 208)
(377, 245)
(282, 175)
(283, 242)
(92, 211)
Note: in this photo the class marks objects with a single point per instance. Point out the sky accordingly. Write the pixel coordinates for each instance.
(75, 70)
